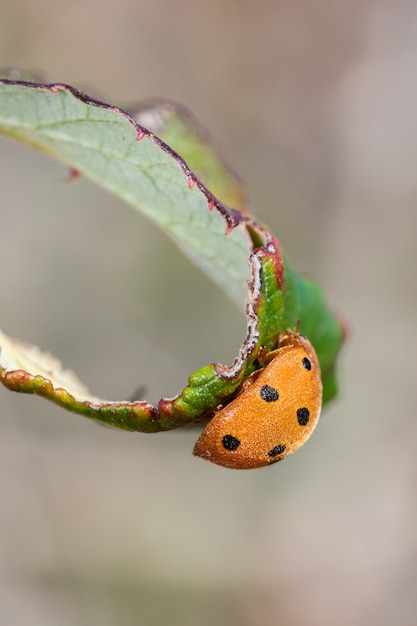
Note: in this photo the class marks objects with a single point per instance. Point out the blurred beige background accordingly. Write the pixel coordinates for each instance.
(314, 104)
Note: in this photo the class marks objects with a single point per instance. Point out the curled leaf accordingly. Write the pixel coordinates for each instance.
(121, 154)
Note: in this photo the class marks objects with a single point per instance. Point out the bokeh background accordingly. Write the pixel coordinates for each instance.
(313, 102)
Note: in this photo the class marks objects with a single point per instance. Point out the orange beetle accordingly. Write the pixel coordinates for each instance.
(275, 412)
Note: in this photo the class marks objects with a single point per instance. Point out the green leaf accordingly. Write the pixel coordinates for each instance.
(106, 144)
(175, 125)
(24, 368)
(305, 303)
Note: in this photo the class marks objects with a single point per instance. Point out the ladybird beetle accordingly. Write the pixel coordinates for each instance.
(275, 412)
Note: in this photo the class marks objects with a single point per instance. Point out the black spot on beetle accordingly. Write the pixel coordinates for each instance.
(303, 415)
(269, 394)
(230, 443)
(277, 450)
(307, 363)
